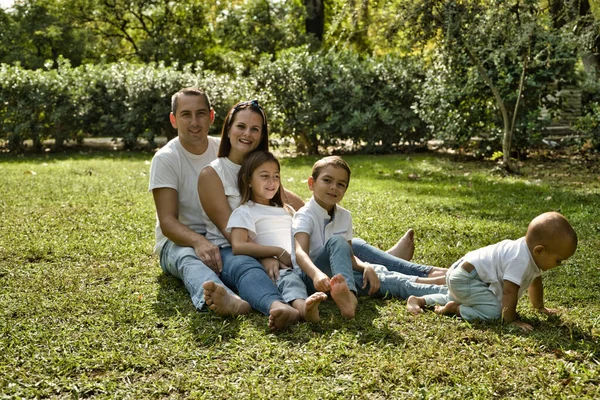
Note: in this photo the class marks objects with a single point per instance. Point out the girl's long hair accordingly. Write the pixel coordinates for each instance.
(250, 164)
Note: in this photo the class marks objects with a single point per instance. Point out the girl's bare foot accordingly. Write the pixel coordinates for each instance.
(222, 302)
(343, 297)
(451, 307)
(437, 272)
(415, 305)
(405, 247)
(311, 307)
(282, 315)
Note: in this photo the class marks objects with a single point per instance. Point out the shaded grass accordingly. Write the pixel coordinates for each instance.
(86, 311)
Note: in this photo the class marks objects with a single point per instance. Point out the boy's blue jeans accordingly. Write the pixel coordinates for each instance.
(367, 253)
(336, 258)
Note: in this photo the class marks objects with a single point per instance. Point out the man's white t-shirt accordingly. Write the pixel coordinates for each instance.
(508, 260)
(266, 225)
(228, 171)
(316, 221)
(176, 168)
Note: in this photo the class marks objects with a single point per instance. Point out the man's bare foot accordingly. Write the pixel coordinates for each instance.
(311, 307)
(405, 247)
(222, 302)
(282, 315)
(451, 307)
(437, 272)
(343, 297)
(415, 305)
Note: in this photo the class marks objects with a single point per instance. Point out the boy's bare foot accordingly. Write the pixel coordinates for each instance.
(282, 315)
(343, 297)
(222, 302)
(451, 307)
(405, 247)
(437, 272)
(311, 307)
(415, 305)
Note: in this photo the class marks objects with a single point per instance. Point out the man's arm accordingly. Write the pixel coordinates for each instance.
(166, 201)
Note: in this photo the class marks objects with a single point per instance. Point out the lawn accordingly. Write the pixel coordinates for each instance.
(86, 311)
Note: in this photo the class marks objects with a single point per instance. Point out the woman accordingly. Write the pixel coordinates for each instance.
(244, 130)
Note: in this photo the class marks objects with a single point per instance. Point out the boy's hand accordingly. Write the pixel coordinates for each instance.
(370, 277)
(321, 282)
(525, 327)
(271, 266)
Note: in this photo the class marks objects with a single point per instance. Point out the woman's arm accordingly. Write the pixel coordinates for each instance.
(292, 199)
(213, 199)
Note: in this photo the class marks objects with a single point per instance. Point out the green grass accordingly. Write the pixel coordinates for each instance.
(85, 310)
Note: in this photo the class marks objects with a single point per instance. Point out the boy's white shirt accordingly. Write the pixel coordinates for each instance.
(266, 225)
(508, 260)
(316, 222)
(176, 168)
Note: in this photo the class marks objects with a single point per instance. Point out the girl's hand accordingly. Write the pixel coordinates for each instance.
(321, 282)
(271, 266)
(286, 259)
(370, 277)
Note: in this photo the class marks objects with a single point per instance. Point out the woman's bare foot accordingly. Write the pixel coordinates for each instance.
(451, 307)
(437, 272)
(343, 297)
(282, 315)
(415, 305)
(222, 302)
(405, 247)
(311, 307)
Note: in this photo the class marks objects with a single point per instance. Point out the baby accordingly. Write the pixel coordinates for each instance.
(487, 283)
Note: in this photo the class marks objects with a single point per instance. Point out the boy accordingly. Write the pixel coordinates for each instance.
(487, 283)
(321, 232)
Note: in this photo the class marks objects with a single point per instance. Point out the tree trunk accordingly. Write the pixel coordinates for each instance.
(315, 18)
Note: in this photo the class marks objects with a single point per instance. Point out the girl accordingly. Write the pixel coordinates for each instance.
(261, 227)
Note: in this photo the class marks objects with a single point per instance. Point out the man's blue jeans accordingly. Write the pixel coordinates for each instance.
(184, 264)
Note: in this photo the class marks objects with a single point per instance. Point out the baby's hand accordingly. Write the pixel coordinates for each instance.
(549, 311)
(525, 327)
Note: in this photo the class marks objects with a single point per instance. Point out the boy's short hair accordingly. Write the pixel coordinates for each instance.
(189, 91)
(335, 161)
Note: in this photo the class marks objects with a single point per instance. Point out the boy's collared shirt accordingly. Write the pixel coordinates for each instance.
(508, 260)
(317, 223)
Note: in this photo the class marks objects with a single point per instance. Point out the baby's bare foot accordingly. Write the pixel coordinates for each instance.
(405, 247)
(343, 297)
(451, 307)
(415, 305)
(222, 302)
(282, 315)
(311, 307)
